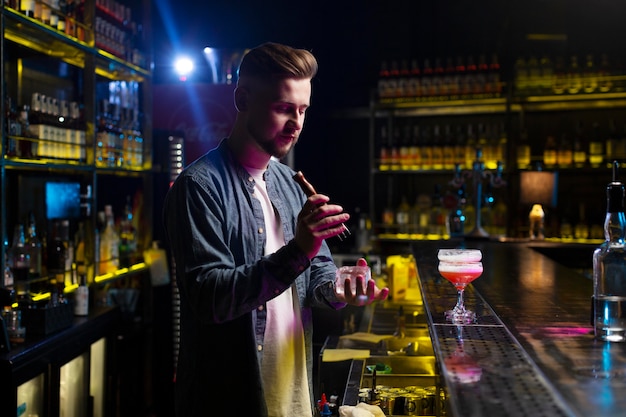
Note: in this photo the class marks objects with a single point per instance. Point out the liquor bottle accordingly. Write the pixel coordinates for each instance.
(448, 148)
(415, 154)
(383, 80)
(580, 146)
(426, 148)
(609, 264)
(20, 264)
(109, 244)
(415, 89)
(574, 76)
(550, 152)
(394, 149)
(27, 7)
(405, 145)
(384, 150)
(605, 80)
(403, 216)
(470, 147)
(459, 146)
(81, 298)
(596, 148)
(559, 79)
(128, 236)
(437, 147)
(523, 151)
(437, 221)
(590, 75)
(613, 143)
(564, 153)
(547, 72)
(33, 243)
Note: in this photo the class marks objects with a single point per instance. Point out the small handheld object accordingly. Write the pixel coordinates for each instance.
(308, 189)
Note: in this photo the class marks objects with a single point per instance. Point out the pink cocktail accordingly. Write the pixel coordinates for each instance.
(460, 267)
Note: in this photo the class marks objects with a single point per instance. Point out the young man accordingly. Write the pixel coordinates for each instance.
(250, 254)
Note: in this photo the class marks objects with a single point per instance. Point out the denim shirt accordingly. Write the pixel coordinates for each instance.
(216, 231)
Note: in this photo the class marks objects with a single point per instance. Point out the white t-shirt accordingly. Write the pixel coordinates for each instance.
(283, 367)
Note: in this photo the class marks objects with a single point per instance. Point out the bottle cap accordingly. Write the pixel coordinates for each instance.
(615, 193)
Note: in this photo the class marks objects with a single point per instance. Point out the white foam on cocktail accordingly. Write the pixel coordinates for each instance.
(459, 255)
(457, 267)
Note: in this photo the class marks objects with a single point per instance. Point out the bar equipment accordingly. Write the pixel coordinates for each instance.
(478, 174)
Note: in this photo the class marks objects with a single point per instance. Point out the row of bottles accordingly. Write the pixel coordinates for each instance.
(66, 16)
(565, 75)
(34, 261)
(463, 77)
(595, 147)
(119, 141)
(446, 215)
(114, 29)
(414, 147)
(48, 128)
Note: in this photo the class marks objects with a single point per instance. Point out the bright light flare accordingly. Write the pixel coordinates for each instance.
(183, 67)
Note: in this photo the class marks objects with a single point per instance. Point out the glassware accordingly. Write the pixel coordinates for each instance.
(460, 267)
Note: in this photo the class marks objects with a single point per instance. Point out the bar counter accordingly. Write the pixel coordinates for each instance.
(531, 351)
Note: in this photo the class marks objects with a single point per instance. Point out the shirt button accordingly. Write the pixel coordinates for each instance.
(259, 347)
(276, 291)
(250, 179)
(260, 308)
(260, 230)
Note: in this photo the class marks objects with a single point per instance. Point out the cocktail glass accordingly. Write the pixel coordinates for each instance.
(460, 267)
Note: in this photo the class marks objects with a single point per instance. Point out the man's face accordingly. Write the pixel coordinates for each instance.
(276, 114)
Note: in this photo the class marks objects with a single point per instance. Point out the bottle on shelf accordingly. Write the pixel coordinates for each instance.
(437, 149)
(415, 154)
(523, 150)
(20, 264)
(448, 148)
(564, 153)
(550, 152)
(405, 146)
(58, 253)
(590, 75)
(33, 243)
(459, 146)
(471, 145)
(426, 149)
(574, 76)
(81, 297)
(580, 146)
(581, 228)
(437, 223)
(596, 148)
(609, 263)
(109, 244)
(394, 149)
(384, 150)
(128, 236)
(403, 216)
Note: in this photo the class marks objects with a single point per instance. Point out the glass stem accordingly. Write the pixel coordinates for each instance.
(460, 305)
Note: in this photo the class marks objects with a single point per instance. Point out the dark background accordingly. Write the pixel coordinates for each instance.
(351, 39)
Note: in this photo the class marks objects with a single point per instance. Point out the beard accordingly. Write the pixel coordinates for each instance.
(277, 147)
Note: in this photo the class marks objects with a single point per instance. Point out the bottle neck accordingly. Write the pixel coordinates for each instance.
(614, 226)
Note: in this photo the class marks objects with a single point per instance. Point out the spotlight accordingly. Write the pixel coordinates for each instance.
(183, 67)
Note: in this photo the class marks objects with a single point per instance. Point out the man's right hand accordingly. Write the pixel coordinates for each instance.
(318, 221)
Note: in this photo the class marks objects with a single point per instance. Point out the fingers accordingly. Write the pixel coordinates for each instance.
(361, 262)
(364, 294)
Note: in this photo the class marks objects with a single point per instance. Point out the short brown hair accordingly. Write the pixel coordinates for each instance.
(274, 60)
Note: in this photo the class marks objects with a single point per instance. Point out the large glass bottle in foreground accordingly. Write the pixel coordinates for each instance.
(609, 269)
